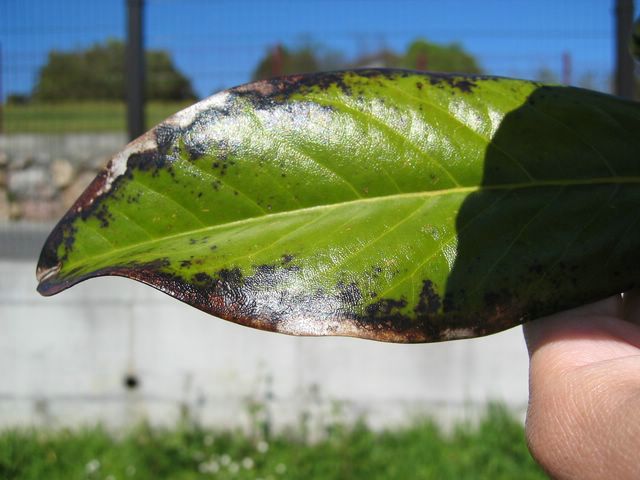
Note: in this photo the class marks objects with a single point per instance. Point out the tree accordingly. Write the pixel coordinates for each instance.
(424, 55)
(421, 55)
(384, 58)
(98, 73)
(306, 58)
(546, 75)
(284, 61)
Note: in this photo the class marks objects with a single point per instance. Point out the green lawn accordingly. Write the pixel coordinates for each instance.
(79, 117)
(495, 449)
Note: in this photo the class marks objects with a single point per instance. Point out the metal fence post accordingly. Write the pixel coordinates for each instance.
(624, 84)
(2, 101)
(135, 69)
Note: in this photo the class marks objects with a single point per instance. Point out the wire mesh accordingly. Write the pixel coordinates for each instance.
(221, 43)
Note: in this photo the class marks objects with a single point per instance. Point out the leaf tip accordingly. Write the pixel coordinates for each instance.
(46, 279)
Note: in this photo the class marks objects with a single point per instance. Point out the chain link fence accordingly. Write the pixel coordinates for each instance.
(50, 147)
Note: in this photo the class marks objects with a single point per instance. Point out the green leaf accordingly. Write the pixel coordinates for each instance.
(389, 205)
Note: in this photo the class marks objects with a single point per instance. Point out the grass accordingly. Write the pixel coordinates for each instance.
(79, 116)
(494, 449)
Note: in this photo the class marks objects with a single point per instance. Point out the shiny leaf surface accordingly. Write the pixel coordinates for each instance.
(389, 205)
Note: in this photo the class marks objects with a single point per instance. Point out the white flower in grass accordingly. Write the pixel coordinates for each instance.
(225, 459)
(208, 440)
(92, 466)
(198, 456)
(130, 471)
(247, 463)
(262, 446)
(209, 467)
(281, 468)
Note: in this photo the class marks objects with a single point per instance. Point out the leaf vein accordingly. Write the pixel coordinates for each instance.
(195, 165)
(448, 191)
(438, 249)
(515, 239)
(486, 139)
(170, 199)
(392, 132)
(566, 127)
(387, 231)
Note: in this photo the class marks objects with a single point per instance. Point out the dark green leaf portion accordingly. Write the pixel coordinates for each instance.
(390, 205)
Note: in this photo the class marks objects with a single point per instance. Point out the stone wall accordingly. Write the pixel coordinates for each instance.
(41, 175)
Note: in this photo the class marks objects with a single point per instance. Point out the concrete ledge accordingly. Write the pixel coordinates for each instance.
(22, 240)
(65, 360)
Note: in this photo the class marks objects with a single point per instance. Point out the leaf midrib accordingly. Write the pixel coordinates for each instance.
(390, 197)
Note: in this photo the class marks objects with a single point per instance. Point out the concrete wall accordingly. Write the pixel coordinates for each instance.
(64, 360)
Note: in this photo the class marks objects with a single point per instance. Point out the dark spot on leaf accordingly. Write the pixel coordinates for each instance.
(287, 258)
(349, 294)
(166, 136)
(202, 278)
(464, 84)
(429, 302)
(148, 161)
(103, 215)
(384, 310)
(231, 276)
(196, 150)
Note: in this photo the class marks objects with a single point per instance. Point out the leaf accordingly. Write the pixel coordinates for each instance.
(388, 205)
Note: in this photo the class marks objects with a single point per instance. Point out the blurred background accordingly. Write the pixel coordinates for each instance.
(79, 78)
(66, 76)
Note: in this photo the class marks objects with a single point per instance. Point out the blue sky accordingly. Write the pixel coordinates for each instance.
(217, 43)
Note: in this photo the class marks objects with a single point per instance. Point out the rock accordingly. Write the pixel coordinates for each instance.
(61, 173)
(42, 159)
(98, 162)
(39, 210)
(70, 194)
(31, 183)
(15, 211)
(4, 205)
(4, 159)
(20, 162)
